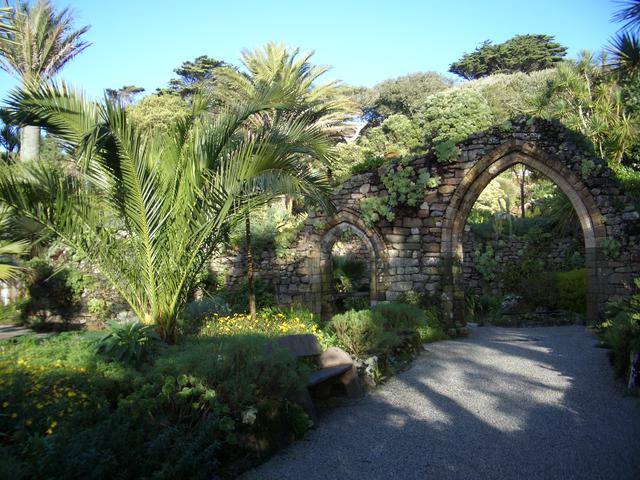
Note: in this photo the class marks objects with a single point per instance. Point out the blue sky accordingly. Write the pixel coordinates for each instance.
(140, 42)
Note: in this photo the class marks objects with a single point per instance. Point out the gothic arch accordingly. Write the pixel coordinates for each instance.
(345, 220)
(470, 188)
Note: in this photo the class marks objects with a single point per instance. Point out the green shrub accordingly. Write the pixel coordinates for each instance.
(356, 303)
(486, 263)
(348, 273)
(238, 297)
(488, 304)
(571, 290)
(197, 311)
(130, 343)
(48, 291)
(370, 164)
(611, 248)
(622, 335)
(209, 407)
(447, 151)
(433, 329)
(471, 300)
(241, 367)
(99, 308)
(362, 333)
(400, 317)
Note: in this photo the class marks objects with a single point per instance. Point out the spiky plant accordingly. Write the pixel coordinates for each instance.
(625, 56)
(630, 14)
(37, 43)
(148, 209)
(318, 106)
(8, 269)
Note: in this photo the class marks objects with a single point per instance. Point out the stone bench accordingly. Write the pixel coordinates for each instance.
(334, 366)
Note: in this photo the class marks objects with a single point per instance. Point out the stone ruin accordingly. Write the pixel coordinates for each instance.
(422, 249)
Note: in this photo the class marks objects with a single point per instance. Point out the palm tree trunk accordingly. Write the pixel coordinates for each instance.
(522, 180)
(29, 143)
(250, 286)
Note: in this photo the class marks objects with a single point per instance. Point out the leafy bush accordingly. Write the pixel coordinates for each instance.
(238, 297)
(362, 332)
(433, 329)
(130, 343)
(356, 303)
(447, 151)
(453, 115)
(488, 304)
(571, 290)
(348, 273)
(400, 317)
(195, 313)
(611, 248)
(622, 335)
(370, 164)
(241, 367)
(99, 308)
(621, 332)
(471, 301)
(48, 290)
(486, 263)
(208, 407)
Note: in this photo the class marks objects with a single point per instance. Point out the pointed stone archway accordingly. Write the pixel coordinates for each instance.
(421, 249)
(474, 182)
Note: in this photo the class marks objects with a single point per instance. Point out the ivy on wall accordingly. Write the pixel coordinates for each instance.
(405, 187)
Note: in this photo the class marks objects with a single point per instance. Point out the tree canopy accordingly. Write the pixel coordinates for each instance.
(198, 76)
(522, 53)
(403, 95)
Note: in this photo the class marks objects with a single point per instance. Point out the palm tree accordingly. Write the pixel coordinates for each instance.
(586, 99)
(630, 14)
(625, 51)
(322, 107)
(38, 44)
(147, 209)
(9, 270)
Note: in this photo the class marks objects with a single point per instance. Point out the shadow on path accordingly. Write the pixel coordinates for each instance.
(536, 403)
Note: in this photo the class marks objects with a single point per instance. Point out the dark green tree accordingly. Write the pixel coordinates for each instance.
(125, 95)
(522, 53)
(403, 95)
(199, 76)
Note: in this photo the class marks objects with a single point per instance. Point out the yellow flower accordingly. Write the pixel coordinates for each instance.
(5, 404)
(14, 415)
(29, 421)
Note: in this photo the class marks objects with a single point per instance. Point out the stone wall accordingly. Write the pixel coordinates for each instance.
(422, 249)
(554, 254)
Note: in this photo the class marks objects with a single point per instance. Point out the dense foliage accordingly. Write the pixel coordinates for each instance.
(522, 53)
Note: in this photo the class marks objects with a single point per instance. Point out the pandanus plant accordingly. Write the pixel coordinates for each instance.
(148, 209)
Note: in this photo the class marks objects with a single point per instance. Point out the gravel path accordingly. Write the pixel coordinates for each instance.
(10, 331)
(535, 403)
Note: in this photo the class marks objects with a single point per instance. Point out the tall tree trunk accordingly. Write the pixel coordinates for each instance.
(522, 199)
(288, 204)
(29, 143)
(250, 287)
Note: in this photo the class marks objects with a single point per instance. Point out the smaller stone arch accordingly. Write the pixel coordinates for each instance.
(342, 221)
